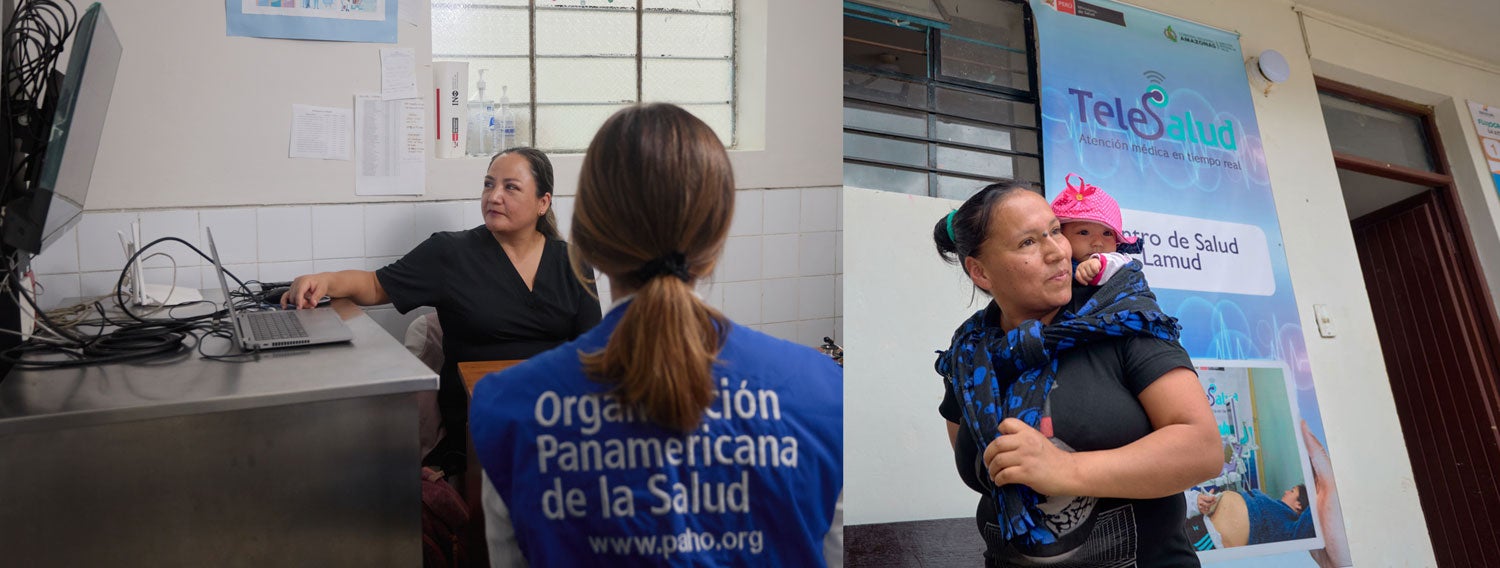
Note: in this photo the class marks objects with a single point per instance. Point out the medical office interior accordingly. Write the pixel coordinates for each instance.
(1370, 120)
(263, 141)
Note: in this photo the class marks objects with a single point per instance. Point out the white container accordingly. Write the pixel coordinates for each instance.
(481, 111)
(450, 81)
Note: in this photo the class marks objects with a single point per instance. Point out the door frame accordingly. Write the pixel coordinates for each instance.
(1442, 182)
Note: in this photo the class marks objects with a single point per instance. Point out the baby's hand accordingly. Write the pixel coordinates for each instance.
(1087, 270)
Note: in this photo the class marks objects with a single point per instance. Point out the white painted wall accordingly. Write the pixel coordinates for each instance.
(201, 119)
(898, 463)
(903, 303)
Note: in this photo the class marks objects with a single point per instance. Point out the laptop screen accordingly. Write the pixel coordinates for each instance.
(234, 319)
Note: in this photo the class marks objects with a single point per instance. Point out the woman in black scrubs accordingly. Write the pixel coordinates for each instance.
(503, 290)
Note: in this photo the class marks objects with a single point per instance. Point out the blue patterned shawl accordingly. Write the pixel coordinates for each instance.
(997, 374)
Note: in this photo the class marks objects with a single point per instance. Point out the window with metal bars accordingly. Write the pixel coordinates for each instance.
(567, 65)
(939, 107)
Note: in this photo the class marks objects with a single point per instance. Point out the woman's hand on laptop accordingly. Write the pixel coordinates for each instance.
(306, 291)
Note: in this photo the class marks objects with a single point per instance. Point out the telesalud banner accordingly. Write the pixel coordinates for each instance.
(1157, 112)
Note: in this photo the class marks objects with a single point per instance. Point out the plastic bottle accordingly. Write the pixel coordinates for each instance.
(480, 111)
(503, 124)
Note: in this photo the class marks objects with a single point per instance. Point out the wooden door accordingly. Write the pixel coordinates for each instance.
(1440, 356)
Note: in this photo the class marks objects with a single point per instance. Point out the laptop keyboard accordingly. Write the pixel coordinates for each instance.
(275, 325)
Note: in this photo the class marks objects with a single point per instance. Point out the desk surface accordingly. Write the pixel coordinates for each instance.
(374, 363)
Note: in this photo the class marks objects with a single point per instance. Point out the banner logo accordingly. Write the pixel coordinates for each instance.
(1146, 122)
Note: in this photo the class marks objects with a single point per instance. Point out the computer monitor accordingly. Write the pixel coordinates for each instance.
(55, 202)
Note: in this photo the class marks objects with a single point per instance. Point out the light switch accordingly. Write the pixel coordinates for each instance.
(1325, 321)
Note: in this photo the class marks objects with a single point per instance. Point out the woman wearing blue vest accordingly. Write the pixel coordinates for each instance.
(667, 434)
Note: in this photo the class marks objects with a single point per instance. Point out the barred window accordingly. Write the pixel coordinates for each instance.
(940, 102)
(567, 65)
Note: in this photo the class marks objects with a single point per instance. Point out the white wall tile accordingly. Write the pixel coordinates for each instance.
(606, 296)
(245, 272)
(838, 252)
(378, 262)
(816, 254)
(779, 300)
(839, 214)
(742, 302)
(338, 231)
(781, 213)
(283, 271)
(473, 215)
(98, 283)
(711, 293)
(741, 261)
(234, 233)
(819, 209)
(389, 230)
(838, 296)
(61, 257)
(52, 289)
(812, 332)
(563, 208)
(815, 297)
(749, 205)
(180, 223)
(98, 246)
(437, 217)
(787, 330)
(184, 277)
(285, 233)
(779, 255)
(337, 264)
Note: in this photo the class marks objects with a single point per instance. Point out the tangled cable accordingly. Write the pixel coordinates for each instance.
(141, 336)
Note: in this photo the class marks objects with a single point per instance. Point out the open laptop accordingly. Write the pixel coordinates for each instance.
(278, 328)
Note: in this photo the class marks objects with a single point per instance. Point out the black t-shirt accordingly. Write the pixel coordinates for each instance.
(1094, 406)
(486, 311)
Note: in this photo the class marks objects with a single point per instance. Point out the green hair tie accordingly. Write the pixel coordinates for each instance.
(951, 236)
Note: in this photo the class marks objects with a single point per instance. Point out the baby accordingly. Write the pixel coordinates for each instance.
(1091, 222)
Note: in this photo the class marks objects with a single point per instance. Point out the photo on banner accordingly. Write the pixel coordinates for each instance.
(1259, 502)
(1157, 111)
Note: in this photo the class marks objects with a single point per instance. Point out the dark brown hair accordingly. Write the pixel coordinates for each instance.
(961, 233)
(656, 189)
(541, 171)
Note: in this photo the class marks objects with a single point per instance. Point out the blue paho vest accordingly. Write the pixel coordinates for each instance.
(589, 482)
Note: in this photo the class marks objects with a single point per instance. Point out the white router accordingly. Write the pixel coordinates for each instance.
(144, 294)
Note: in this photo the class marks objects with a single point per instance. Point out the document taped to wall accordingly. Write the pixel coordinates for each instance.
(389, 147)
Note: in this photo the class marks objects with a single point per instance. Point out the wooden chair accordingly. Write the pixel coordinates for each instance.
(473, 483)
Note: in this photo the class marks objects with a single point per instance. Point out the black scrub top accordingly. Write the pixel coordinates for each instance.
(486, 311)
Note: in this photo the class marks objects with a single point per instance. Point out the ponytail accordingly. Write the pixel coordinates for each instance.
(655, 197)
(661, 354)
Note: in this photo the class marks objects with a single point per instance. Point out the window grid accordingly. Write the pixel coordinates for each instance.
(728, 130)
(935, 81)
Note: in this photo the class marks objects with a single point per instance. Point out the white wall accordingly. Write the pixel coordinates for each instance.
(1381, 511)
(201, 119)
(903, 303)
(196, 136)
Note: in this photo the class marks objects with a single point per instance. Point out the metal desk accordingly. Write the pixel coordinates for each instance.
(305, 457)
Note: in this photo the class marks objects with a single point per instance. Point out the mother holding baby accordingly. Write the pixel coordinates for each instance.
(1071, 409)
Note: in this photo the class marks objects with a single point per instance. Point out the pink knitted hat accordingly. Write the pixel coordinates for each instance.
(1085, 202)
